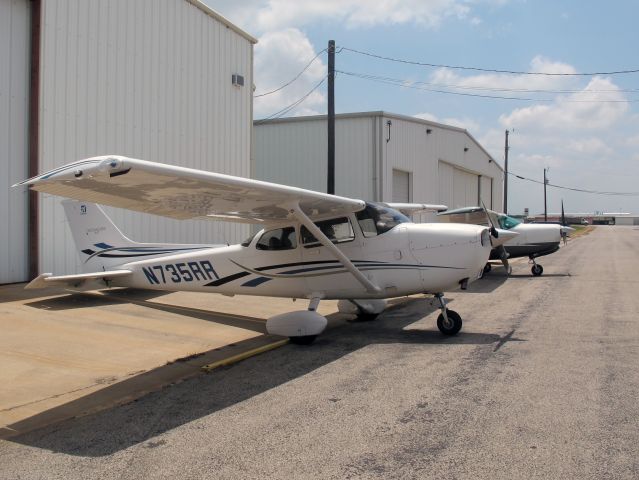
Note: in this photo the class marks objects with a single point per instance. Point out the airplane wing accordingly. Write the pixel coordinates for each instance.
(184, 193)
(412, 208)
(46, 280)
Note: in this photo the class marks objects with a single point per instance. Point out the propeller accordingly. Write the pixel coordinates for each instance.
(565, 229)
(503, 255)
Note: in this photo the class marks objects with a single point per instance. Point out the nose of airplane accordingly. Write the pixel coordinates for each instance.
(502, 237)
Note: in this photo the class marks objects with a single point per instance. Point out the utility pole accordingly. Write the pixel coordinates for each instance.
(545, 203)
(506, 175)
(331, 118)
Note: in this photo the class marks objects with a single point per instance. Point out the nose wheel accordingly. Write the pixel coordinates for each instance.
(449, 322)
(536, 269)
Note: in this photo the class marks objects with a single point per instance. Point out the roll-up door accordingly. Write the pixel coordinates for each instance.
(486, 191)
(14, 82)
(457, 188)
(401, 186)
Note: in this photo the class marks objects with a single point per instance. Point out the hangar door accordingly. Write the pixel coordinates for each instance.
(457, 188)
(486, 190)
(14, 81)
(401, 186)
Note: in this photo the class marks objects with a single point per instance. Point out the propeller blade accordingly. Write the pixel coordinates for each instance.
(493, 230)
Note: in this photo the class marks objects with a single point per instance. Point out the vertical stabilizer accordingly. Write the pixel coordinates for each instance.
(102, 246)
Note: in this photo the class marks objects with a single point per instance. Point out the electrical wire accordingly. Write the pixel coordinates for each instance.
(294, 78)
(491, 70)
(582, 190)
(290, 107)
(409, 84)
(498, 89)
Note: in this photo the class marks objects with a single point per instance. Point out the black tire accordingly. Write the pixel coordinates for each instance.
(537, 270)
(454, 318)
(487, 268)
(303, 340)
(366, 317)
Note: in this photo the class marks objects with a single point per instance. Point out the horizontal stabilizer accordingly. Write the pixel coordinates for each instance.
(46, 280)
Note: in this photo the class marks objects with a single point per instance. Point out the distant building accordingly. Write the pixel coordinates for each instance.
(604, 218)
(163, 81)
(380, 156)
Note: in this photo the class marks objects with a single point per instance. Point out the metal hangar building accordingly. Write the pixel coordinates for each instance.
(167, 81)
(380, 156)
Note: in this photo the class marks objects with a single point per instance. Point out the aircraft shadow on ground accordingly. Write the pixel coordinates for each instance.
(549, 275)
(119, 297)
(118, 428)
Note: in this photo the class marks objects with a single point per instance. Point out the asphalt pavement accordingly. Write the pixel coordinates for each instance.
(542, 382)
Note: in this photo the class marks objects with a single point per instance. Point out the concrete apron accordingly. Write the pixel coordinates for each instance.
(67, 354)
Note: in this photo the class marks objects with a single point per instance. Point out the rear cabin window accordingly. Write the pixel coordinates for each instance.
(337, 230)
(278, 239)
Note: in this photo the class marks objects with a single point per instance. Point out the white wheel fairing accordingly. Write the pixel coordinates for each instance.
(302, 323)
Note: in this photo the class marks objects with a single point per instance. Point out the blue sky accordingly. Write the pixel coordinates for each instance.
(588, 135)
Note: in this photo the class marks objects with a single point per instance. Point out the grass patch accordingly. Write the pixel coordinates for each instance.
(581, 230)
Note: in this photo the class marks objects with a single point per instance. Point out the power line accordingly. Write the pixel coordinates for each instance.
(582, 190)
(416, 86)
(293, 79)
(490, 70)
(498, 89)
(290, 107)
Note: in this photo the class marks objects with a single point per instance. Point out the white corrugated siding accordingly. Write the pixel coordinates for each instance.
(295, 153)
(444, 163)
(149, 79)
(14, 107)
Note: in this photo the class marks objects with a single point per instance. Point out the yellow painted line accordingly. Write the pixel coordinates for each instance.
(244, 355)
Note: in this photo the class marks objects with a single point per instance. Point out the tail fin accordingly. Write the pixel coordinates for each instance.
(102, 246)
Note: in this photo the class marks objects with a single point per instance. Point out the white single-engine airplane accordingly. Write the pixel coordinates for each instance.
(534, 240)
(313, 245)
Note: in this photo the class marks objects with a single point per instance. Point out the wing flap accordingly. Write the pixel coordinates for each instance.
(47, 280)
(412, 208)
(183, 193)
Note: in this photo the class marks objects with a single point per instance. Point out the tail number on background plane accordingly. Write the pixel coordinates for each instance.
(180, 272)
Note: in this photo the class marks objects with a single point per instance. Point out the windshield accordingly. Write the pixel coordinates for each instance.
(376, 219)
(507, 222)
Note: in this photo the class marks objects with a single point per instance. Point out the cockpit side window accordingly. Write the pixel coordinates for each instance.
(337, 230)
(377, 219)
(278, 239)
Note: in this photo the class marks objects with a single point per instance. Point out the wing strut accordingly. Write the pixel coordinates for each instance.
(297, 212)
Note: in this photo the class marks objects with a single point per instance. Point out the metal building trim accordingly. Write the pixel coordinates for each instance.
(34, 138)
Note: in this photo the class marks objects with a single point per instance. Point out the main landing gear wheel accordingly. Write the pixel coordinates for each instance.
(537, 270)
(487, 268)
(366, 317)
(304, 340)
(450, 326)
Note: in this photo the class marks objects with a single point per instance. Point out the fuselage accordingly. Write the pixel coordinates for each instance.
(533, 240)
(287, 261)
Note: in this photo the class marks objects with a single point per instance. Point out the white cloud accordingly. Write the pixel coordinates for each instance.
(279, 57)
(269, 15)
(599, 105)
(520, 84)
(467, 123)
